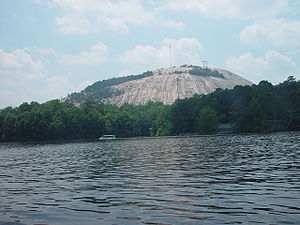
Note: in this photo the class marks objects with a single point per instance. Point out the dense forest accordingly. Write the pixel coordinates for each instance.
(257, 108)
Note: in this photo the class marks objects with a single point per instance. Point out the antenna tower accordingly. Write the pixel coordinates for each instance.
(171, 58)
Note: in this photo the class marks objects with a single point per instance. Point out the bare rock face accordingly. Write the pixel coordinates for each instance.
(167, 85)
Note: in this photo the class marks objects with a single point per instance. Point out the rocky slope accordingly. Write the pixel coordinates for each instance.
(164, 85)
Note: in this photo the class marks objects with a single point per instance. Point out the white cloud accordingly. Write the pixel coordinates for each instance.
(23, 78)
(69, 24)
(18, 71)
(247, 9)
(84, 16)
(19, 64)
(88, 16)
(272, 32)
(145, 57)
(96, 55)
(60, 86)
(274, 66)
(10, 98)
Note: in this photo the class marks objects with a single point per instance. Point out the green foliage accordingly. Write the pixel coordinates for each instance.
(206, 120)
(205, 72)
(56, 120)
(178, 72)
(183, 114)
(259, 108)
(256, 108)
(199, 71)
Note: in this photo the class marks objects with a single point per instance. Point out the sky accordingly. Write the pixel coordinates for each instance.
(51, 48)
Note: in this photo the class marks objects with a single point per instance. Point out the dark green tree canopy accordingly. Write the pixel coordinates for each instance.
(257, 108)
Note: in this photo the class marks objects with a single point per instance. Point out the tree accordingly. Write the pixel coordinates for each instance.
(206, 120)
(263, 106)
(9, 127)
(183, 113)
(255, 108)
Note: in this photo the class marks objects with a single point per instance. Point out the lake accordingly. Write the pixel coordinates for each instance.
(230, 179)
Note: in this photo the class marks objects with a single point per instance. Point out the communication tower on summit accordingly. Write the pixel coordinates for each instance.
(171, 57)
(204, 63)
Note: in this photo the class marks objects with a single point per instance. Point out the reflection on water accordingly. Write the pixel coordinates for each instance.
(248, 179)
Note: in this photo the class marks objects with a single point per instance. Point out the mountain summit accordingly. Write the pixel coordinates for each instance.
(161, 85)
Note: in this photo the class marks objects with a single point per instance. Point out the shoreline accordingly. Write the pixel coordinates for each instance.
(142, 138)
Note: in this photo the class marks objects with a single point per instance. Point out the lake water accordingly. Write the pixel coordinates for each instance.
(235, 179)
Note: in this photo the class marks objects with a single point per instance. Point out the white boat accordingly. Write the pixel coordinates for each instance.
(108, 137)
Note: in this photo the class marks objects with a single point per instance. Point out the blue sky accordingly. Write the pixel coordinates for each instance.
(50, 48)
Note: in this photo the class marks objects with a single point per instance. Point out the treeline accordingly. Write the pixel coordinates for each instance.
(205, 72)
(56, 120)
(256, 108)
(199, 71)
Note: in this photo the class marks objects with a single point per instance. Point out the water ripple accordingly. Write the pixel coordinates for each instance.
(248, 179)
